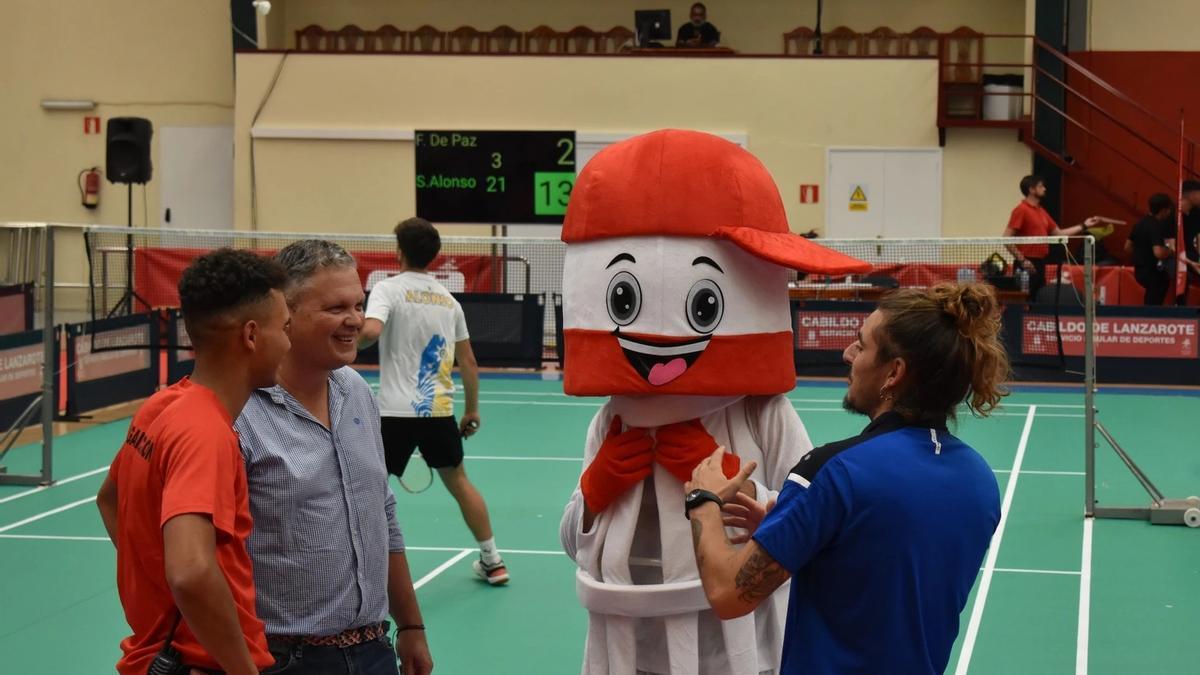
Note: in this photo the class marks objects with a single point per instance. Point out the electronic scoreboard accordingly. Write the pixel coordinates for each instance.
(494, 176)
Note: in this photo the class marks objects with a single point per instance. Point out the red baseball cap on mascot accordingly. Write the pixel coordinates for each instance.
(675, 274)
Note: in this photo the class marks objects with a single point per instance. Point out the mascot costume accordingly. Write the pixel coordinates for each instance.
(676, 308)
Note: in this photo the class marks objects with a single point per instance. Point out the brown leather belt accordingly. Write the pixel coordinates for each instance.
(346, 638)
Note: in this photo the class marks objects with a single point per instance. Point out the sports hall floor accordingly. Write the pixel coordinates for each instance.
(1139, 584)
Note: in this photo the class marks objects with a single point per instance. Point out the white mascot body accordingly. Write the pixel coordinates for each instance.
(676, 307)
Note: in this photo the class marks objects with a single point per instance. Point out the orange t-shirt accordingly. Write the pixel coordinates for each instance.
(180, 456)
(1032, 221)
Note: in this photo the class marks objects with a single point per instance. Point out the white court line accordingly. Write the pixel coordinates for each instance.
(989, 566)
(1085, 600)
(47, 514)
(560, 394)
(462, 553)
(54, 537)
(526, 459)
(1019, 570)
(428, 549)
(43, 488)
(1031, 472)
(597, 405)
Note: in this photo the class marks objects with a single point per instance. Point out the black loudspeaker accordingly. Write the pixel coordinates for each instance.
(128, 150)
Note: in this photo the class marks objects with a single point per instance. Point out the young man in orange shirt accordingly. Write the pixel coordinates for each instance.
(1030, 219)
(175, 500)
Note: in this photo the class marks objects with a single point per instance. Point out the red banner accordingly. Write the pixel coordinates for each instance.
(91, 365)
(1119, 337)
(12, 314)
(826, 330)
(21, 371)
(157, 272)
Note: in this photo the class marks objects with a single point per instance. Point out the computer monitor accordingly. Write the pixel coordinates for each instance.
(651, 25)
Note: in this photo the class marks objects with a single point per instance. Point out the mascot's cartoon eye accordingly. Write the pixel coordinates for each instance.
(624, 298)
(705, 306)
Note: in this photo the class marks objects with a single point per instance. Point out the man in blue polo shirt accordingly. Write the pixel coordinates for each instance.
(882, 534)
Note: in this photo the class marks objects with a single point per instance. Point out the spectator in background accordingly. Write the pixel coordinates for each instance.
(1151, 254)
(698, 32)
(1030, 219)
(422, 332)
(1190, 207)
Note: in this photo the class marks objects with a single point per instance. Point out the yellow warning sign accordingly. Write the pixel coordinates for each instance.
(858, 199)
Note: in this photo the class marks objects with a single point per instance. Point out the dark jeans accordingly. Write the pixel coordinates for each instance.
(1155, 284)
(369, 658)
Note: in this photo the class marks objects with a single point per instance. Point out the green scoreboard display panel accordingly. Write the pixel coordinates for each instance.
(494, 176)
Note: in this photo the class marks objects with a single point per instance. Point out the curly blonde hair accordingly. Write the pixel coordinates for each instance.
(949, 338)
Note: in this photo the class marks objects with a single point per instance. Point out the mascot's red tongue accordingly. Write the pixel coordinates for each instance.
(662, 373)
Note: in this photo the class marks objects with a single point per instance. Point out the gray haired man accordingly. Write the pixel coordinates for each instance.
(328, 555)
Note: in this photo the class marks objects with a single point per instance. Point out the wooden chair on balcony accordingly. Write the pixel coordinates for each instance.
(543, 40)
(580, 40)
(962, 75)
(312, 38)
(883, 41)
(350, 38)
(922, 41)
(502, 40)
(614, 40)
(799, 41)
(386, 38)
(842, 41)
(465, 40)
(426, 40)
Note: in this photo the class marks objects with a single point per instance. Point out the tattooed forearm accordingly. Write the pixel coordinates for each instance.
(697, 530)
(759, 577)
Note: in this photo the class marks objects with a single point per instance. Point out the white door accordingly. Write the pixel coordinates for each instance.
(196, 170)
(884, 193)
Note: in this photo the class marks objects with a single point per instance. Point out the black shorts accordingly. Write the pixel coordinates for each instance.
(437, 437)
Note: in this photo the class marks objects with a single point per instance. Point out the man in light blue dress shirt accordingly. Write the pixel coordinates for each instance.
(328, 555)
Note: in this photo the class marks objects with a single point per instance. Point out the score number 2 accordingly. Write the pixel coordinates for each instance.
(552, 189)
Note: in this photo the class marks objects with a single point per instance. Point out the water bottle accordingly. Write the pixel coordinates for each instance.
(1023, 279)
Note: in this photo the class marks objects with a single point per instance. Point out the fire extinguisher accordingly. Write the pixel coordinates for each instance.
(89, 187)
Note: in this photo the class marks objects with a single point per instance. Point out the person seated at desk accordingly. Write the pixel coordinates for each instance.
(698, 33)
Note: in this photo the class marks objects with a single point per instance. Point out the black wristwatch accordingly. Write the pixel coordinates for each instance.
(696, 498)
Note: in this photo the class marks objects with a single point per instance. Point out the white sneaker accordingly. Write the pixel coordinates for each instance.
(495, 574)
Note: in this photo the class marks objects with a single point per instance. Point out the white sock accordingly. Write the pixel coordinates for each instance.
(488, 548)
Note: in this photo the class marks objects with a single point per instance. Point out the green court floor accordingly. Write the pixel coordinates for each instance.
(1056, 594)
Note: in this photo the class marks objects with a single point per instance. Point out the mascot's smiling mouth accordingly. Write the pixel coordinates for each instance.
(662, 362)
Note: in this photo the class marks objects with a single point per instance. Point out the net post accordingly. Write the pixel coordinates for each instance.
(1089, 376)
(50, 357)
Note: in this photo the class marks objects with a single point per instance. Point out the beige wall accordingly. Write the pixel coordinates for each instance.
(366, 186)
(790, 109)
(751, 26)
(980, 172)
(1156, 26)
(168, 61)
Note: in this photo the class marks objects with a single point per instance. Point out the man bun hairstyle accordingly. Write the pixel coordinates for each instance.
(949, 339)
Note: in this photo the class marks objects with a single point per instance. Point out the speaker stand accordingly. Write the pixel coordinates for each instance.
(127, 298)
